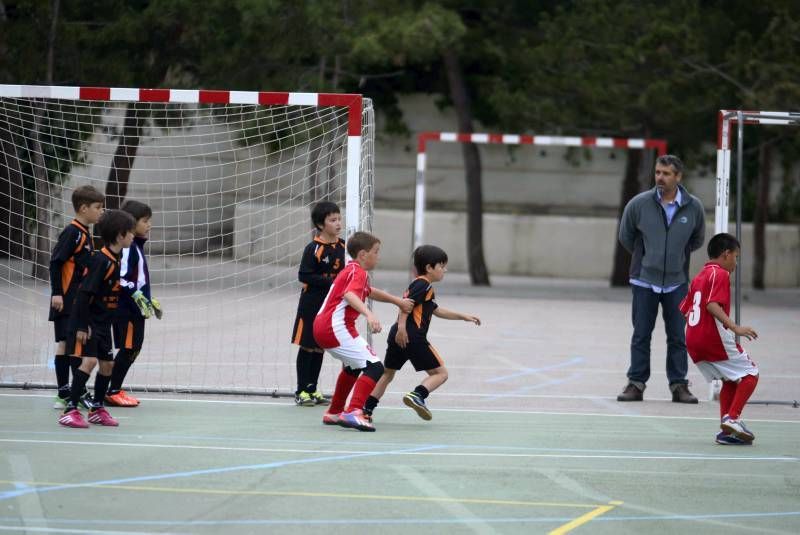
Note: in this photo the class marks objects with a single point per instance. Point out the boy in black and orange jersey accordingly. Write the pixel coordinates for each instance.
(322, 260)
(90, 322)
(68, 263)
(408, 338)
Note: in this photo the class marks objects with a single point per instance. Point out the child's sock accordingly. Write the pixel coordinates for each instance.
(100, 388)
(743, 392)
(314, 368)
(726, 397)
(79, 378)
(344, 384)
(61, 364)
(303, 369)
(122, 363)
(363, 387)
(422, 391)
(371, 404)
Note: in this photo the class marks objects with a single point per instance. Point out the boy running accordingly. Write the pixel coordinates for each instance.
(335, 331)
(711, 340)
(408, 338)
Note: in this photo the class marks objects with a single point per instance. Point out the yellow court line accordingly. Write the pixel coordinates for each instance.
(581, 520)
(178, 490)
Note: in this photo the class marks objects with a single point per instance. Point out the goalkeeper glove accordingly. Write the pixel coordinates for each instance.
(157, 310)
(144, 305)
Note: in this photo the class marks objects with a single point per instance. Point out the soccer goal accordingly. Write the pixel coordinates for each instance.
(230, 176)
(424, 138)
(726, 120)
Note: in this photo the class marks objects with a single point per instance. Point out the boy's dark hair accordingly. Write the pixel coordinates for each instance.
(428, 255)
(360, 241)
(720, 243)
(321, 211)
(113, 223)
(86, 195)
(137, 209)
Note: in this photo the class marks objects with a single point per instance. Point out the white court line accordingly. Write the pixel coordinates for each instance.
(292, 406)
(81, 531)
(624, 456)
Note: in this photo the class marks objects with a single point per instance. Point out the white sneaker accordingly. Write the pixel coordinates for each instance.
(736, 428)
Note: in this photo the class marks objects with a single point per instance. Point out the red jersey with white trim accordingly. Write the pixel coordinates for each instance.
(706, 338)
(336, 320)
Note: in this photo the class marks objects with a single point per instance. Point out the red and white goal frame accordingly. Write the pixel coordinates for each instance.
(353, 103)
(726, 119)
(424, 138)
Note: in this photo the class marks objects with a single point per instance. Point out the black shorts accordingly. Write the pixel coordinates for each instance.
(61, 328)
(422, 355)
(303, 332)
(129, 333)
(98, 346)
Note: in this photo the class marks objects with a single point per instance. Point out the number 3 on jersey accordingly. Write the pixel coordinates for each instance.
(694, 314)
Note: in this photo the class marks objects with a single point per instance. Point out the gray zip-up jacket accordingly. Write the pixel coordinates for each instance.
(660, 252)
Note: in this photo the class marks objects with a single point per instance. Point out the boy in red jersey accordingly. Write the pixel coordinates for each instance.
(335, 331)
(711, 337)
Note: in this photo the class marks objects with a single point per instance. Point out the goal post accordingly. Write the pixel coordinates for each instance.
(424, 138)
(726, 121)
(230, 176)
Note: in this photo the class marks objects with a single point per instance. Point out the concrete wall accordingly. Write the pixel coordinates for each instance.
(563, 246)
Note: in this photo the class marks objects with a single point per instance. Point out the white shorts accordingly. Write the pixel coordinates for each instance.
(728, 370)
(354, 353)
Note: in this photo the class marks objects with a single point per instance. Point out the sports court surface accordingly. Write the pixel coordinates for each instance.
(527, 437)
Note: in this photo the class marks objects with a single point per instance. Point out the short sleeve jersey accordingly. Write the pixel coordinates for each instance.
(98, 294)
(706, 338)
(421, 292)
(320, 264)
(68, 264)
(336, 319)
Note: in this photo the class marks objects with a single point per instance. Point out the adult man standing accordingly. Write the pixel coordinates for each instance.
(660, 228)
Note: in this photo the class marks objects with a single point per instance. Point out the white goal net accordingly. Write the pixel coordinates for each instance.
(230, 177)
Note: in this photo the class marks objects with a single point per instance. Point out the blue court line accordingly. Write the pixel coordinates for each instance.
(537, 386)
(529, 371)
(157, 477)
(362, 521)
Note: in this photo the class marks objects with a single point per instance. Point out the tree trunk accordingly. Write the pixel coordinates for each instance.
(479, 274)
(12, 202)
(121, 165)
(45, 191)
(760, 215)
(638, 166)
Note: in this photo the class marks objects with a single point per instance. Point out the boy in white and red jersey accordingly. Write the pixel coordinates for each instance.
(711, 337)
(335, 331)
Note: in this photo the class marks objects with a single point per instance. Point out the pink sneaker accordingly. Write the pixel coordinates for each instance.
(101, 416)
(73, 418)
(330, 418)
(356, 419)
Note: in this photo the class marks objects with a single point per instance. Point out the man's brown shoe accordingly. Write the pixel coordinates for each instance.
(681, 394)
(631, 393)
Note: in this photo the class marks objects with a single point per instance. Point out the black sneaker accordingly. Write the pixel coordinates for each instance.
(87, 402)
(631, 393)
(413, 400)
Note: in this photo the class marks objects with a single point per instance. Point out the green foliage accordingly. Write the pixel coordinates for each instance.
(595, 67)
